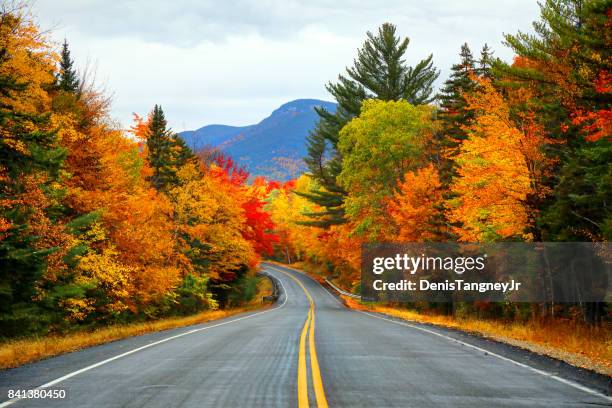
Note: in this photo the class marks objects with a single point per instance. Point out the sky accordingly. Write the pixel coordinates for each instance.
(234, 62)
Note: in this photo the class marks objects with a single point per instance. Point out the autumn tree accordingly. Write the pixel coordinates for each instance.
(493, 179)
(415, 207)
(379, 72)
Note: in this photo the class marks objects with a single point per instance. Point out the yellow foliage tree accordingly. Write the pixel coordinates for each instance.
(493, 180)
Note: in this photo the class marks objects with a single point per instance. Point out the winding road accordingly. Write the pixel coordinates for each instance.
(307, 350)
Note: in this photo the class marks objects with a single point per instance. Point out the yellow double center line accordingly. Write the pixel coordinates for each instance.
(302, 376)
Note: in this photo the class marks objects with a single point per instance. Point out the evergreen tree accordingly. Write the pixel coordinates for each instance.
(159, 144)
(485, 63)
(453, 115)
(182, 153)
(23, 152)
(380, 72)
(167, 152)
(67, 80)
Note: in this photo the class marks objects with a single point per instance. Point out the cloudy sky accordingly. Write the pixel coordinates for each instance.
(233, 62)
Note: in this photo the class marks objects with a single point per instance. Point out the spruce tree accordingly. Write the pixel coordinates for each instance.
(167, 152)
(67, 80)
(453, 114)
(379, 71)
(159, 144)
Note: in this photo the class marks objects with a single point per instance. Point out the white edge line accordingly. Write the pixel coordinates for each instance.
(127, 353)
(535, 370)
(528, 367)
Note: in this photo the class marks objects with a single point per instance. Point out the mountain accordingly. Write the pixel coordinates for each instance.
(273, 147)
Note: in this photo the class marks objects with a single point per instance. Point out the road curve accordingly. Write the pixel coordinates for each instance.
(255, 360)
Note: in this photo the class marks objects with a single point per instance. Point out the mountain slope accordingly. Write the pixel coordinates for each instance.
(273, 148)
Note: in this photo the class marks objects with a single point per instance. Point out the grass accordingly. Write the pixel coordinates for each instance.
(14, 353)
(574, 343)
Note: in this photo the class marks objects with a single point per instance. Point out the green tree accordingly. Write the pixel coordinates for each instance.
(30, 159)
(67, 79)
(485, 63)
(167, 152)
(453, 114)
(583, 190)
(378, 147)
(159, 144)
(378, 72)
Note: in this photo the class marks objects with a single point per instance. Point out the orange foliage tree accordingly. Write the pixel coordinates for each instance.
(415, 207)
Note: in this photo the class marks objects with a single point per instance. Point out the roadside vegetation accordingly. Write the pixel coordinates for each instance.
(105, 227)
(16, 352)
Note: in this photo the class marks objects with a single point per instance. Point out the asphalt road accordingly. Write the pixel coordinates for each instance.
(270, 359)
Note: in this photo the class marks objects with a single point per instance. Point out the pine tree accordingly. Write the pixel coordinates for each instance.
(67, 80)
(181, 152)
(380, 72)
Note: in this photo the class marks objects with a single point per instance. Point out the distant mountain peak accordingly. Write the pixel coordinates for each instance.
(302, 105)
(274, 147)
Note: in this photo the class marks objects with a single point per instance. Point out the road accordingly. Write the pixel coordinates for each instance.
(308, 350)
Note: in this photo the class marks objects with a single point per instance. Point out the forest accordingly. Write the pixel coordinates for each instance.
(102, 225)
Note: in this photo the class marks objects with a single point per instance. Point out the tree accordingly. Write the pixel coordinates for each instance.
(67, 80)
(415, 207)
(164, 152)
(378, 147)
(485, 63)
(30, 164)
(378, 72)
(453, 114)
(493, 179)
(209, 211)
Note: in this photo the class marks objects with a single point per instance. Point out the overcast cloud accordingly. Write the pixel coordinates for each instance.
(233, 62)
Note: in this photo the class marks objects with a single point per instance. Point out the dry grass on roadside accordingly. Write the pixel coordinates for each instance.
(14, 353)
(574, 343)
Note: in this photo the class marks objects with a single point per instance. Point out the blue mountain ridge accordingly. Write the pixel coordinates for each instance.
(273, 148)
